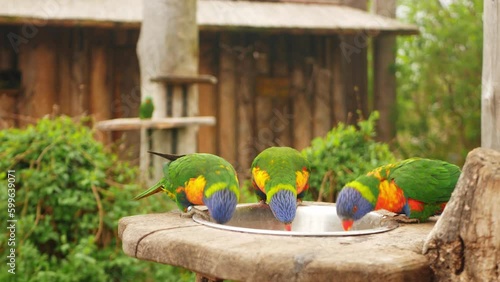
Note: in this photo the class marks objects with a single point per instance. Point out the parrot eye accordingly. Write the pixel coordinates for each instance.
(354, 209)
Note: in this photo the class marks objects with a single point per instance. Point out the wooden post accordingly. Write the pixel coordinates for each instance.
(490, 98)
(464, 245)
(168, 45)
(384, 56)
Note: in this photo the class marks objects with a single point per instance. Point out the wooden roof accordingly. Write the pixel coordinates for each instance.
(212, 15)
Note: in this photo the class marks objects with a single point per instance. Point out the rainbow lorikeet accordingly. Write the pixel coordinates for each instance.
(146, 108)
(280, 176)
(199, 179)
(418, 188)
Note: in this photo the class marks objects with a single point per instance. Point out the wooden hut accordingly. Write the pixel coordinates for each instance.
(287, 71)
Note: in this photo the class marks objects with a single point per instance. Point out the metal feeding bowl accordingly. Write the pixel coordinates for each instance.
(311, 219)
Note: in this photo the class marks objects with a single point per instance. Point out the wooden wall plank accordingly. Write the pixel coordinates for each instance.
(302, 91)
(282, 116)
(355, 77)
(100, 82)
(226, 113)
(100, 72)
(39, 83)
(338, 85)
(208, 64)
(8, 61)
(384, 57)
(322, 104)
(355, 68)
(264, 135)
(80, 72)
(64, 77)
(246, 88)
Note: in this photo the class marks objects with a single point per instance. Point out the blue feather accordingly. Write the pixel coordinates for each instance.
(221, 205)
(284, 205)
(352, 205)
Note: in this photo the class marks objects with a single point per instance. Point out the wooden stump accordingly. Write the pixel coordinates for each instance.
(464, 245)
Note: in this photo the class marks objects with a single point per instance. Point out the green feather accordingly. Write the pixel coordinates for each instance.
(429, 181)
(181, 169)
(425, 180)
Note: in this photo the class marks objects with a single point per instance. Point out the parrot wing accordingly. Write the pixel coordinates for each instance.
(425, 180)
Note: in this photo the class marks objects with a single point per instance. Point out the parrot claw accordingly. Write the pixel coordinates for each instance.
(191, 211)
(401, 218)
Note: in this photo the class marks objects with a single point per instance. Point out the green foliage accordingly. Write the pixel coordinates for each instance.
(439, 79)
(345, 153)
(70, 194)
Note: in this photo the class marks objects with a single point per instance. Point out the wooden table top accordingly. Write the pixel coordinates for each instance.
(170, 239)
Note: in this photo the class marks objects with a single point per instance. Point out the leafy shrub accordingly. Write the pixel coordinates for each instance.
(70, 194)
(343, 154)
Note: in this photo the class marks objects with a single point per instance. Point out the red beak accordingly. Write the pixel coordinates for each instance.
(288, 226)
(347, 224)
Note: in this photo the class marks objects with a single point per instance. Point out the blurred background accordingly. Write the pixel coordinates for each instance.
(353, 84)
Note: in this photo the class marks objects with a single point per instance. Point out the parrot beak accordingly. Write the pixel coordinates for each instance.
(347, 224)
(288, 226)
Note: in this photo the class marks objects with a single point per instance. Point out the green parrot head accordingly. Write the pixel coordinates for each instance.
(356, 199)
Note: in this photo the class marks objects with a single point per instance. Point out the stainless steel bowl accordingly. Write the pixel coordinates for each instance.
(312, 219)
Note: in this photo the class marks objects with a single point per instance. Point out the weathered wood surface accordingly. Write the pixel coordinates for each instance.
(155, 123)
(169, 239)
(212, 15)
(464, 245)
(490, 96)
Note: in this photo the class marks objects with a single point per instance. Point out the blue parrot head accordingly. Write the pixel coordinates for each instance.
(284, 205)
(351, 206)
(221, 205)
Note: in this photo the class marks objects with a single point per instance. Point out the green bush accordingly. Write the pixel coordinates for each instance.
(70, 194)
(439, 79)
(346, 152)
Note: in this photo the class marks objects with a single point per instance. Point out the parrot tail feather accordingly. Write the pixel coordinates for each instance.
(158, 187)
(169, 157)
